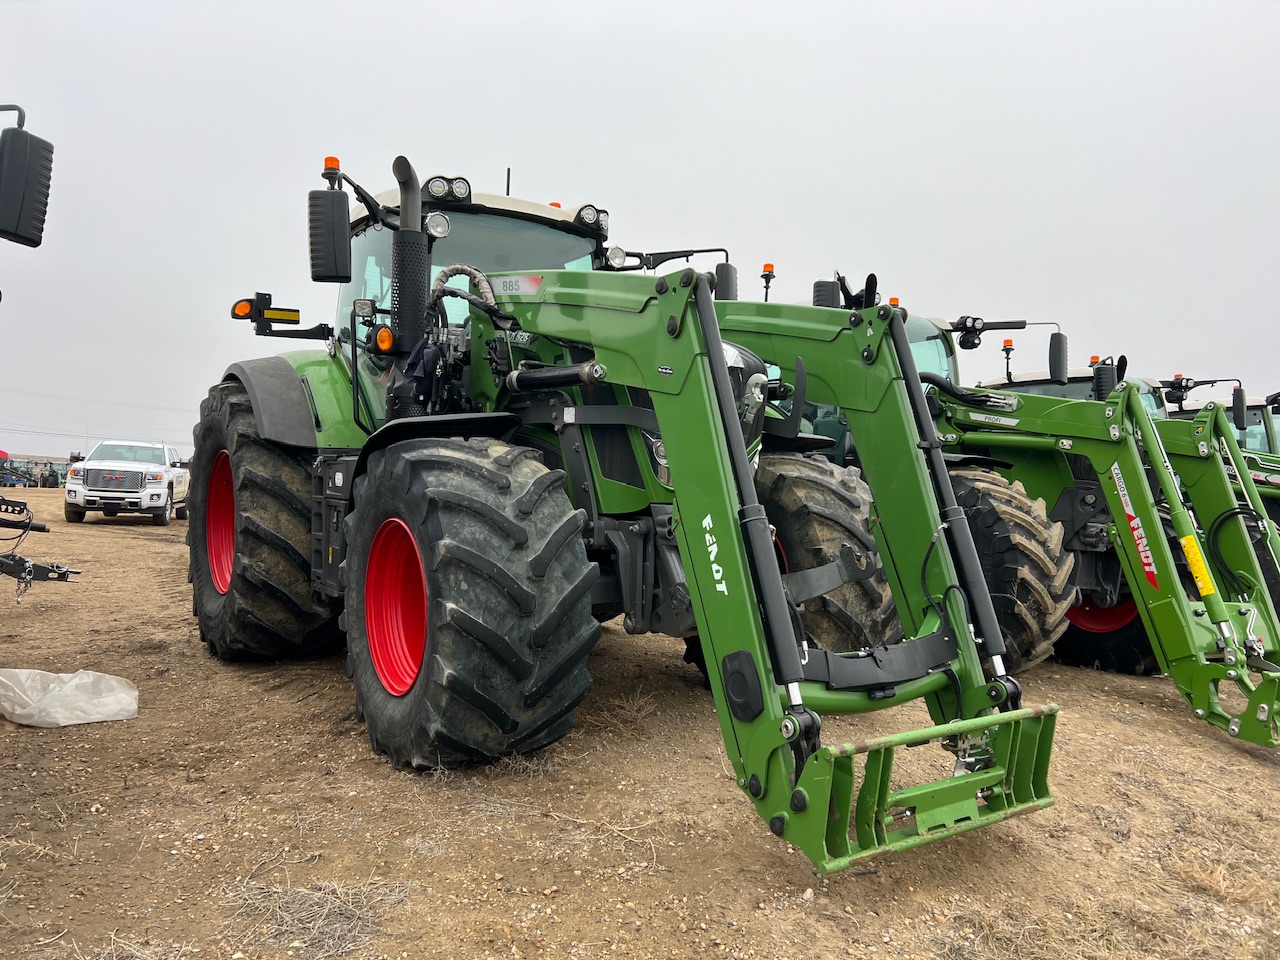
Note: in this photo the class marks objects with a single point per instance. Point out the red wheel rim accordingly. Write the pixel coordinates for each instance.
(395, 607)
(1097, 619)
(220, 522)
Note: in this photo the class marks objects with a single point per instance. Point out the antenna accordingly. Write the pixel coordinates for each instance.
(508, 181)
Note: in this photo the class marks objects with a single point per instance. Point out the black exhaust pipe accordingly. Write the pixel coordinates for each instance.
(410, 274)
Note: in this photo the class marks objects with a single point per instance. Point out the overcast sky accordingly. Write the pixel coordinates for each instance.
(1111, 167)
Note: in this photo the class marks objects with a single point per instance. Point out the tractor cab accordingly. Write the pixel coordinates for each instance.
(1080, 385)
(1261, 433)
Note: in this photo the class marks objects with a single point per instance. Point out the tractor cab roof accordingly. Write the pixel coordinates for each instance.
(1074, 375)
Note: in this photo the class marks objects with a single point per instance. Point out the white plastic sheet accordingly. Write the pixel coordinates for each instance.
(39, 699)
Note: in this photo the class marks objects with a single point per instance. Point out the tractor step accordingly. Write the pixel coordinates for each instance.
(1002, 768)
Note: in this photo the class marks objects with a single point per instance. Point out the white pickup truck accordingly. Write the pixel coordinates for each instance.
(125, 476)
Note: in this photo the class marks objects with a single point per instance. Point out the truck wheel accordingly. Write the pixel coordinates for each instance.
(1026, 569)
(815, 508)
(468, 602)
(250, 537)
(72, 514)
(164, 515)
(180, 511)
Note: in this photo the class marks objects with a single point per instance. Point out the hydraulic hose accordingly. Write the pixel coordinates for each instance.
(783, 643)
(971, 397)
(966, 552)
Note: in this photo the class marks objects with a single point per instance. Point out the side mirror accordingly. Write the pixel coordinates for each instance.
(76, 457)
(726, 281)
(329, 227)
(1058, 371)
(1239, 412)
(26, 169)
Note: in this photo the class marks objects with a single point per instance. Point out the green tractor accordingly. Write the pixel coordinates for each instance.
(508, 436)
(1257, 423)
(1029, 569)
(1106, 628)
(1167, 526)
(1176, 572)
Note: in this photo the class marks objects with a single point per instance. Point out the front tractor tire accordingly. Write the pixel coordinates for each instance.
(249, 533)
(468, 602)
(816, 507)
(1023, 561)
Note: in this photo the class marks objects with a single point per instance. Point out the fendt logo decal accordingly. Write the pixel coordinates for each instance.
(1135, 528)
(713, 549)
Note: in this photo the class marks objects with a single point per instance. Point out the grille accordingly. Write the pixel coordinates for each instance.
(114, 480)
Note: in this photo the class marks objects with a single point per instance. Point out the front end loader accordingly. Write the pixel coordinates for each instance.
(1151, 510)
(506, 439)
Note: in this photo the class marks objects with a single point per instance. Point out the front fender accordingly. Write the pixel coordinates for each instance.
(284, 412)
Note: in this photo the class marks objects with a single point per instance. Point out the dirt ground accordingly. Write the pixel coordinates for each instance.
(242, 814)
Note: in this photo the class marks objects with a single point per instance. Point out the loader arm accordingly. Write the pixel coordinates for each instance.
(1224, 629)
(661, 335)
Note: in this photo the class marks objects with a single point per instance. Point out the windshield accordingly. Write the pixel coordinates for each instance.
(128, 451)
(487, 242)
(931, 348)
(1254, 435)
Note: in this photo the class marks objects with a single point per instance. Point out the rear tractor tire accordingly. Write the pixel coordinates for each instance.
(1113, 639)
(1023, 561)
(816, 507)
(250, 538)
(468, 602)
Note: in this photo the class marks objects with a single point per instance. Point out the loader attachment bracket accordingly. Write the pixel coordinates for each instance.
(841, 818)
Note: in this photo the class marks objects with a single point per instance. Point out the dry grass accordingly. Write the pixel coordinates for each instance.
(426, 847)
(528, 766)
(121, 949)
(625, 715)
(323, 919)
(1221, 879)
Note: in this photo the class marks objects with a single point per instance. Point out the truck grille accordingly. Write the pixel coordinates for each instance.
(114, 480)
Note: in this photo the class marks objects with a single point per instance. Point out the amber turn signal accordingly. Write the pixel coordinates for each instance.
(242, 309)
(384, 339)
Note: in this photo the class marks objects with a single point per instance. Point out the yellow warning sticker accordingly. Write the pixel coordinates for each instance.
(1195, 563)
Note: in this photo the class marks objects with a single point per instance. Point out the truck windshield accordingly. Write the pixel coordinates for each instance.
(128, 451)
(488, 242)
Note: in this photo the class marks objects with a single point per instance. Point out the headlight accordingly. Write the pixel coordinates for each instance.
(155, 476)
(616, 257)
(75, 473)
(437, 225)
(461, 189)
(604, 222)
(588, 215)
(437, 187)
